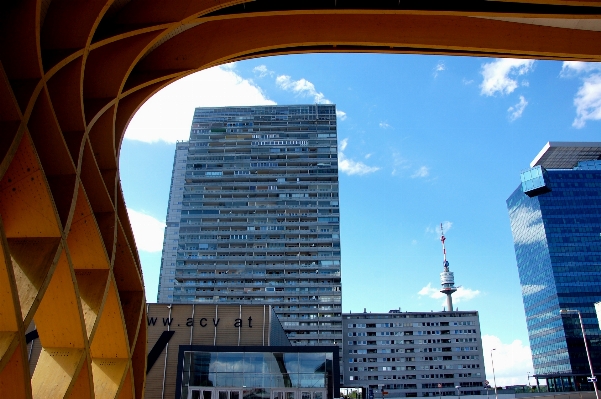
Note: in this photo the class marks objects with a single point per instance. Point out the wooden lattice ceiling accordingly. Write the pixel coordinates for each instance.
(72, 74)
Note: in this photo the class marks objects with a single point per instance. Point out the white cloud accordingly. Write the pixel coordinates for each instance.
(588, 98)
(367, 156)
(446, 226)
(423, 171)
(588, 101)
(463, 294)
(439, 68)
(148, 231)
(301, 87)
(351, 167)
(413, 242)
(499, 75)
(572, 68)
(517, 110)
(343, 144)
(431, 292)
(384, 125)
(262, 71)
(304, 88)
(512, 361)
(467, 82)
(230, 66)
(399, 163)
(167, 115)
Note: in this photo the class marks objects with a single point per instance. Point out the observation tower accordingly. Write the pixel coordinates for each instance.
(447, 278)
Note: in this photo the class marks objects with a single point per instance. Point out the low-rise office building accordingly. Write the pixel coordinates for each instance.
(410, 354)
(232, 352)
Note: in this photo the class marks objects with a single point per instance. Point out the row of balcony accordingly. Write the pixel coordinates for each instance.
(286, 164)
(262, 174)
(187, 298)
(282, 268)
(237, 248)
(257, 150)
(270, 287)
(257, 218)
(251, 239)
(308, 234)
(277, 203)
(185, 277)
(263, 211)
(251, 252)
(323, 276)
(275, 193)
(192, 220)
(292, 183)
(263, 166)
(311, 193)
(299, 157)
(231, 257)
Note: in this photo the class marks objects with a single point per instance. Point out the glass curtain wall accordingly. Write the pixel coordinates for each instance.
(259, 373)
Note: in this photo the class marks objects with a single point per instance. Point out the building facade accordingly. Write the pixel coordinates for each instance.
(409, 354)
(174, 212)
(215, 351)
(555, 219)
(253, 216)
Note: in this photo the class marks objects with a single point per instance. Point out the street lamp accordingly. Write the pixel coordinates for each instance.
(528, 384)
(493, 373)
(588, 355)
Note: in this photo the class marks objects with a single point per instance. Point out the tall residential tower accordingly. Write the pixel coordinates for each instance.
(253, 216)
(556, 223)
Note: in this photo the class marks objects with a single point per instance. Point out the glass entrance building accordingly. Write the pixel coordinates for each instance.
(257, 373)
(216, 351)
(555, 219)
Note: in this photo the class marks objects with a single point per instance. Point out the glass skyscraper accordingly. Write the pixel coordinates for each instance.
(556, 224)
(253, 216)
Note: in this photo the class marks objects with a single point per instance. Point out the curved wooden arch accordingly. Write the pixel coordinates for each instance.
(73, 73)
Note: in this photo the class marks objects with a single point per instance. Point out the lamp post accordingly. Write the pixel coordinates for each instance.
(493, 373)
(588, 355)
(528, 384)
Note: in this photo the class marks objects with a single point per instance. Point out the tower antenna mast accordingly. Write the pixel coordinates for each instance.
(447, 278)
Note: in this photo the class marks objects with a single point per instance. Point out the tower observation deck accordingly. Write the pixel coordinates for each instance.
(447, 278)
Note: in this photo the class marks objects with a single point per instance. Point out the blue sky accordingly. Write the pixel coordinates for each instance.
(422, 140)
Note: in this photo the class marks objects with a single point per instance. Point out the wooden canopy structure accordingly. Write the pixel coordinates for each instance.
(73, 73)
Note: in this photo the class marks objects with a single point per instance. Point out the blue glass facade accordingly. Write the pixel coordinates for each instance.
(535, 181)
(558, 251)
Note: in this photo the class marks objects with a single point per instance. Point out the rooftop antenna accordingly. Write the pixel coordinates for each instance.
(447, 278)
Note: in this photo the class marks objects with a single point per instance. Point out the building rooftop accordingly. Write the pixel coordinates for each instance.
(394, 314)
(566, 155)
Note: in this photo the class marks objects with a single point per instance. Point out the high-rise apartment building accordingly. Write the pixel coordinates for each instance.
(556, 223)
(174, 212)
(409, 354)
(253, 216)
